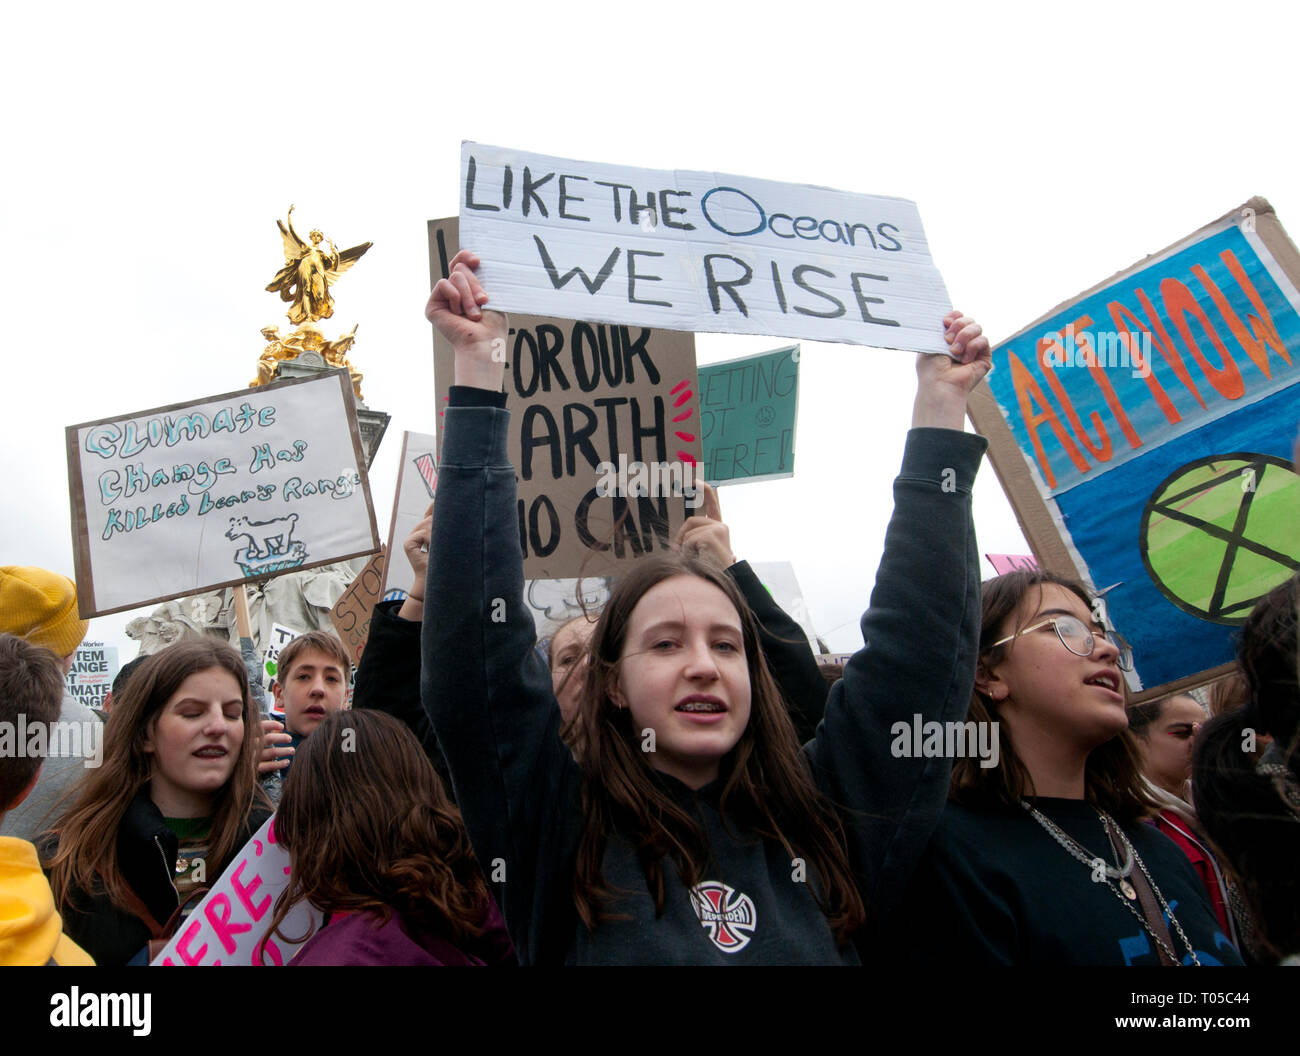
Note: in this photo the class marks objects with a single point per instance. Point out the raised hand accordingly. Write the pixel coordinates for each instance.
(479, 337)
(945, 382)
(707, 535)
(276, 752)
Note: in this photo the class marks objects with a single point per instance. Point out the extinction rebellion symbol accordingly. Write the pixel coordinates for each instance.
(1220, 532)
(727, 914)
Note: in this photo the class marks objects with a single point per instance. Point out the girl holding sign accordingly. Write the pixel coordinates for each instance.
(694, 830)
(174, 800)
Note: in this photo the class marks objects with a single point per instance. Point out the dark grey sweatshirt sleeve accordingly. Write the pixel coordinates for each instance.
(487, 691)
(788, 653)
(921, 636)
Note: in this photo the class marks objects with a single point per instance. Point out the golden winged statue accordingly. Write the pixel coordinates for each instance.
(308, 273)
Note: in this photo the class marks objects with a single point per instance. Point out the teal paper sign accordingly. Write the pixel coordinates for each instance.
(748, 409)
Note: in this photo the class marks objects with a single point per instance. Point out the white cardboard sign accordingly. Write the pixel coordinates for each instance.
(699, 251)
(183, 499)
(417, 479)
(228, 926)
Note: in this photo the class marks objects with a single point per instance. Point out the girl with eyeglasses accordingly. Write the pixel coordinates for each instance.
(1041, 856)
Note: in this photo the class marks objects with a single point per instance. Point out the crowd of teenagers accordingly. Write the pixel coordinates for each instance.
(671, 780)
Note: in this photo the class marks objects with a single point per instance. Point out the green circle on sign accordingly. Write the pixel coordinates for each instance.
(1221, 532)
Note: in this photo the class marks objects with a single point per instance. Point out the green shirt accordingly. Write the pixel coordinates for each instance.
(191, 867)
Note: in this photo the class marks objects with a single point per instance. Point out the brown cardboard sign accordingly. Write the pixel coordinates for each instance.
(209, 493)
(1143, 431)
(605, 421)
(351, 613)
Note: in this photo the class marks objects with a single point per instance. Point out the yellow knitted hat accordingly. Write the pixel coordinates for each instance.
(41, 607)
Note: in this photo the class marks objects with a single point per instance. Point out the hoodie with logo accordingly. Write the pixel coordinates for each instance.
(31, 931)
(488, 694)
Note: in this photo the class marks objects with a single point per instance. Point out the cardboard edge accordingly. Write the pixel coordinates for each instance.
(81, 567)
(358, 451)
(1182, 685)
(1270, 231)
(397, 502)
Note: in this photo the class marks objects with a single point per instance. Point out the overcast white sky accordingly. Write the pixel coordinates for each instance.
(149, 149)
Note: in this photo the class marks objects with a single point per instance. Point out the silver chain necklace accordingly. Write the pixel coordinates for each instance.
(1117, 876)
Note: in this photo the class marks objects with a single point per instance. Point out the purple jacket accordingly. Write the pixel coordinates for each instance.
(358, 939)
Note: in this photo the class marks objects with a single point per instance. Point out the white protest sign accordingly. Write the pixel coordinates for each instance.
(228, 926)
(699, 251)
(554, 602)
(417, 478)
(183, 499)
(94, 666)
(280, 637)
(779, 579)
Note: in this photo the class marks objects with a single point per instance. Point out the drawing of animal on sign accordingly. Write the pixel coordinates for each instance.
(270, 545)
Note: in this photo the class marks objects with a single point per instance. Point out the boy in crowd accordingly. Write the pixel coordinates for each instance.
(41, 608)
(31, 692)
(311, 682)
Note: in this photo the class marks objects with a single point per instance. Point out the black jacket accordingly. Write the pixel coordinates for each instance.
(388, 679)
(489, 695)
(995, 888)
(146, 856)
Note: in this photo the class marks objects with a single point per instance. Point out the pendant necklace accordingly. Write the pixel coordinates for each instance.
(1117, 877)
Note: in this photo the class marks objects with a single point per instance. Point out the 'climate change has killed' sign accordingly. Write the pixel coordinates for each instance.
(699, 251)
(1156, 415)
(186, 498)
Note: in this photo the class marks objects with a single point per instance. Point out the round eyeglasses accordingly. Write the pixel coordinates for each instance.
(1078, 638)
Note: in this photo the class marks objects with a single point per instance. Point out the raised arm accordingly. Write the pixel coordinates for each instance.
(920, 633)
(485, 688)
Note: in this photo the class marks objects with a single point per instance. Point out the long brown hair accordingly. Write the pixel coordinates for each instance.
(86, 859)
(1113, 772)
(767, 789)
(1245, 812)
(369, 829)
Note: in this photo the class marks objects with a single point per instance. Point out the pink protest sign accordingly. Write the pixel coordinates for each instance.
(1004, 563)
(229, 925)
